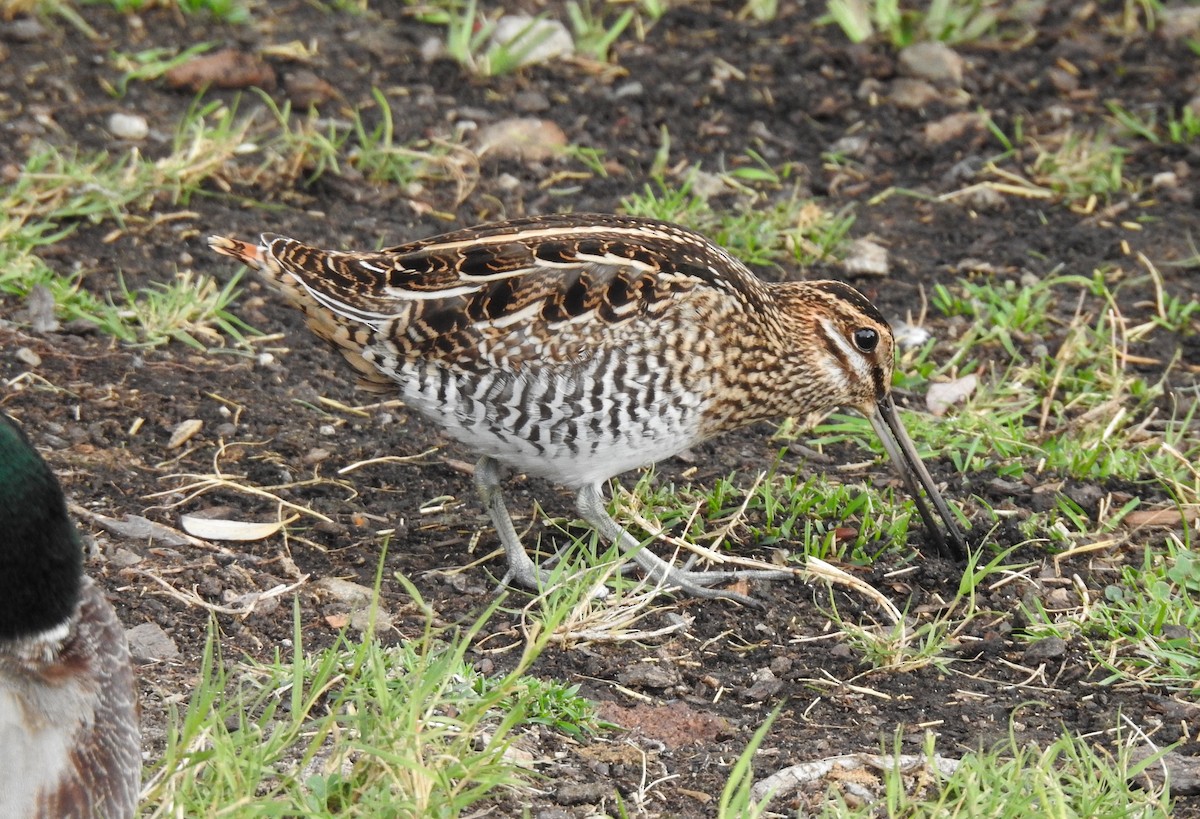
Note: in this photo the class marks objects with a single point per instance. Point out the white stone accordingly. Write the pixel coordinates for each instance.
(866, 258)
(910, 336)
(128, 126)
(941, 397)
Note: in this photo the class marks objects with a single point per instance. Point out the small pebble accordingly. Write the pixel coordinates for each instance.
(1048, 648)
(124, 558)
(765, 685)
(28, 357)
(148, 643)
(909, 336)
(304, 88)
(184, 431)
(432, 48)
(942, 396)
(954, 126)
(633, 88)
(1164, 179)
(582, 793)
(531, 102)
(854, 146)
(648, 675)
(1178, 22)
(912, 94)
(932, 61)
(352, 595)
(508, 182)
(983, 199)
(1060, 600)
(523, 138)
(40, 310)
(866, 258)
(128, 126)
(316, 455)
(24, 30)
(1172, 631)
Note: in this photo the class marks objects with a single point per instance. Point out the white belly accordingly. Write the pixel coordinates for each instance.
(563, 428)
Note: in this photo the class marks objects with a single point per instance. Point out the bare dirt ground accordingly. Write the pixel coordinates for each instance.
(787, 89)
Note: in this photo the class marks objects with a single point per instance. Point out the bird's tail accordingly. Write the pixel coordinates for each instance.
(349, 335)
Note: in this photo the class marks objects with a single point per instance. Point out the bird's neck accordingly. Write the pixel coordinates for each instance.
(784, 372)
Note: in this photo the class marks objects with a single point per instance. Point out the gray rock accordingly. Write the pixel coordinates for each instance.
(906, 92)
(148, 643)
(1046, 649)
(581, 793)
(39, 310)
(648, 675)
(765, 685)
(935, 62)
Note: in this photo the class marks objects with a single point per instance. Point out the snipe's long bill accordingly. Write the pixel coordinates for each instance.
(575, 348)
(900, 449)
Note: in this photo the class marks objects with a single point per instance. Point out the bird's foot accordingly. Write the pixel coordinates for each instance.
(701, 584)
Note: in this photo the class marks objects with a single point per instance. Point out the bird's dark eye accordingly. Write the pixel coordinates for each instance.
(866, 339)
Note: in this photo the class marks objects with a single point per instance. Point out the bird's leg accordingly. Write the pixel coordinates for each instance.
(590, 504)
(521, 569)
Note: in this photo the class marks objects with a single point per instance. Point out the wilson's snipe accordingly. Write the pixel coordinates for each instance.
(69, 738)
(578, 347)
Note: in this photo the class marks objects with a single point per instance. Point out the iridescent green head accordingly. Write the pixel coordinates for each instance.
(41, 560)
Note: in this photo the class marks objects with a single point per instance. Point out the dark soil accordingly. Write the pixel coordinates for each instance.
(722, 86)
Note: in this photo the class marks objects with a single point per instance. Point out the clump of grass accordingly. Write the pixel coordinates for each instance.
(225, 11)
(312, 147)
(948, 21)
(594, 34)
(760, 233)
(816, 516)
(376, 154)
(1082, 169)
(1180, 128)
(192, 309)
(360, 728)
(1143, 629)
(908, 645)
(1081, 411)
(22, 270)
(1068, 778)
(1140, 626)
(57, 189)
(469, 42)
